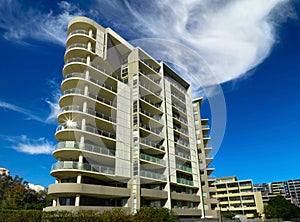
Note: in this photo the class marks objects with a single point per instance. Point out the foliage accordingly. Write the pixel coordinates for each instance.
(279, 207)
(155, 214)
(228, 214)
(16, 194)
(114, 215)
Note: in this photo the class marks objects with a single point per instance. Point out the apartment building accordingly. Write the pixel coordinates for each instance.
(238, 196)
(204, 149)
(290, 190)
(126, 135)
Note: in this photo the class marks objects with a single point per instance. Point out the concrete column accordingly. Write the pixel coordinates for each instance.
(88, 60)
(87, 74)
(86, 90)
(90, 33)
(83, 123)
(79, 178)
(80, 159)
(89, 46)
(77, 200)
(54, 203)
(84, 107)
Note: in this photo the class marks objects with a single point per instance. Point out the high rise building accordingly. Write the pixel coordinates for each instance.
(238, 196)
(127, 133)
(292, 188)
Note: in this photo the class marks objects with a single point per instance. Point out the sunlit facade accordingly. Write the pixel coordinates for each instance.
(127, 133)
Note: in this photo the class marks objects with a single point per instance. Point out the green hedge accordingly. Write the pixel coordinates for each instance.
(115, 215)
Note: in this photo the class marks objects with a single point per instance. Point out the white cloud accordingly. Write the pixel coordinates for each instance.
(53, 102)
(21, 22)
(27, 145)
(33, 146)
(18, 109)
(232, 37)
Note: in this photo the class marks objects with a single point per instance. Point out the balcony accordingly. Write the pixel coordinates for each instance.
(180, 98)
(182, 142)
(89, 111)
(181, 130)
(149, 66)
(151, 129)
(176, 85)
(86, 147)
(178, 107)
(183, 155)
(152, 144)
(152, 159)
(148, 76)
(98, 98)
(72, 165)
(185, 181)
(152, 104)
(81, 60)
(156, 176)
(152, 91)
(179, 118)
(82, 32)
(184, 168)
(89, 129)
(157, 118)
(154, 194)
(79, 45)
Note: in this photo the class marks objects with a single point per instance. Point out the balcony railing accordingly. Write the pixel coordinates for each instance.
(82, 76)
(176, 84)
(83, 60)
(184, 168)
(79, 45)
(185, 181)
(81, 32)
(153, 144)
(158, 106)
(149, 77)
(182, 99)
(81, 92)
(73, 165)
(152, 159)
(181, 130)
(89, 111)
(179, 107)
(88, 128)
(154, 130)
(85, 146)
(156, 176)
(184, 155)
(181, 142)
(151, 90)
(149, 65)
(183, 120)
(156, 117)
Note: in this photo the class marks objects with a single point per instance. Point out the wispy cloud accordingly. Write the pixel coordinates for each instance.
(19, 109)
(30, 146)
(232, 37)
(53, 102)
(22, 23)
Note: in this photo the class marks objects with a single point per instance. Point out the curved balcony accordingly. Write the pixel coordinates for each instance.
(80, 45)
(84, 146)
(98, 98)
(81, 32)
(97, 82)
(89, 129)
(88, 111)
(73, 165)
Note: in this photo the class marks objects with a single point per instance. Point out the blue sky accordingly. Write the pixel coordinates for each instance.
(253, 55)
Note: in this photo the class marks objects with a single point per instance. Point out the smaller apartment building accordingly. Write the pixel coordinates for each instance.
(238, 196)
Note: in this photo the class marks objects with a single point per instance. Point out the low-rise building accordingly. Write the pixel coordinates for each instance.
(238, 196)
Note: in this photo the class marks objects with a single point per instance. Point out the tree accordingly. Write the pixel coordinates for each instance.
(14, 198)
(279, 207)
(228, 214)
